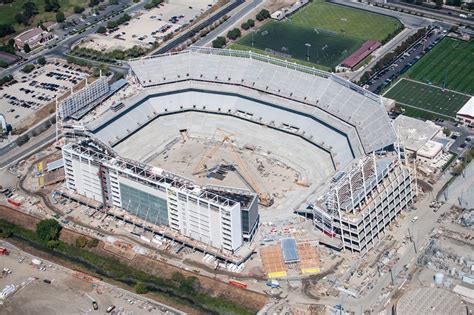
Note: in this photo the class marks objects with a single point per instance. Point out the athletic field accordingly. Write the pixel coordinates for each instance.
(289, 41)
(449, 64)
(426, 101)
(344, 20)
(333, 32)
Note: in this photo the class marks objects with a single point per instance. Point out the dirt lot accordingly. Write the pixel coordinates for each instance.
(152, 266)
(66, 294)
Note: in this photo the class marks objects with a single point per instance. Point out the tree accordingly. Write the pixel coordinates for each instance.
(251, 22)
(219, 42)
(141, 288)
(263, 15)
(48, 230)
(78, 9)
(26, 48)
(101, 29)
(93, 3)
(29, 9)
(177, 277)
(439, 4)
(60, 17)
(93, 242)
(6, 29)
(446, 131)
(42, 60)
(113, 2)
(245, 26)
(233, 34)
(81, 242)
(21, 19)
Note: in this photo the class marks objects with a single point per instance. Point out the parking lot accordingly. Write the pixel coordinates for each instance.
(30, 91)
(399, 66)
(148, 26)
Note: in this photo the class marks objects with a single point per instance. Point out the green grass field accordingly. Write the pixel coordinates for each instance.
(288, 41)
(344, 20)
(449, 64)
(424, 101)
(8, 11)
(334, 32)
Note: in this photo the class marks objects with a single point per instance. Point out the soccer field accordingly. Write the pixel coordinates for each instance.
(289, 41)
(425, 101)
(351, 22)
(449, 64)
(333, 32)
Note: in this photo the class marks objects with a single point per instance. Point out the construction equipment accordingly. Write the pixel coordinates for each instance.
(202, 165)
(263, 198)
(95, 306)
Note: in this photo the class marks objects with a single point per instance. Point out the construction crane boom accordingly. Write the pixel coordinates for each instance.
(264, 198)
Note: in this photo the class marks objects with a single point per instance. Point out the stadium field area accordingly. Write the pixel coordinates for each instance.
(344, 20)
(289, 41)
(426, 101)
(449, 64)
(332, 31)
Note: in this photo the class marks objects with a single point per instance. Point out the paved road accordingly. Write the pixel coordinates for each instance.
(64, 45)
(190, 33)
(444, 14)
(34, 145)
(227, 24)
(410, 21)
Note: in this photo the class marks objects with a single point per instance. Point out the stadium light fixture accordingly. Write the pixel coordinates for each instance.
(308, 46)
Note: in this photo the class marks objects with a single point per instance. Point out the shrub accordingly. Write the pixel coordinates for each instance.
(219, 42)
(42, 60)
(28, 68)
(263, 15)
(141, 288)
(78, 9)
(48, 230)
(233, 34)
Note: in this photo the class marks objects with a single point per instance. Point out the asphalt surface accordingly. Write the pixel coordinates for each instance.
(190, 33)
(63, 46)
(28, 149)
(227, 24)
(444, 13)
(410, 21)
(400, 65)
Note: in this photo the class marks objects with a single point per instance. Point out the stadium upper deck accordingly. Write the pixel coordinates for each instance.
(336, 115)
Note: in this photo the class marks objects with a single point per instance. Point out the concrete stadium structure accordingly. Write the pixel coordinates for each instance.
(331, 120)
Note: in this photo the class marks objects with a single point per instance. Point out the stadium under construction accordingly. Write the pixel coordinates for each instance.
(272, 123)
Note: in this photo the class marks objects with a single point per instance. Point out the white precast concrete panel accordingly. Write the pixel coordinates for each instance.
(339, 97)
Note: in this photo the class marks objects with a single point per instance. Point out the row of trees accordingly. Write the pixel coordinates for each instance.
(235, 33)
(29, 10)
(115, 23)
(6, 29)
(153, 4)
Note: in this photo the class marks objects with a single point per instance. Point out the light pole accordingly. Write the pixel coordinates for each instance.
(308, 46)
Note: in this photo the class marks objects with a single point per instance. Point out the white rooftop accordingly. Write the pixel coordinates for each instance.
(414, 132)
(467, 109)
